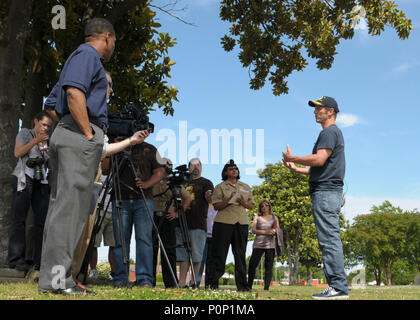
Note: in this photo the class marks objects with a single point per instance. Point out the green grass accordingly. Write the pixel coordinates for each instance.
(29, 291)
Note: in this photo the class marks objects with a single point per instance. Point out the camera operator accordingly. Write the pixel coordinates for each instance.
(146, 173)
(201, 190)
(30, 187)
(166, 223)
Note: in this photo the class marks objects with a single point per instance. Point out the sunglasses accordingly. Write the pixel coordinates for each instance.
(110, 84)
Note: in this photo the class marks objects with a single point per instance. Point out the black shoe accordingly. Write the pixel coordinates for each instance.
(194, 286)
(23, 267)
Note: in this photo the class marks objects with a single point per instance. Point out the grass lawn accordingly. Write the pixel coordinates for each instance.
(29, 291)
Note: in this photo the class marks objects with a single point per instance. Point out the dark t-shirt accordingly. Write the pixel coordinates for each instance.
(197, 215)
(83, 70)
(144, 157)
(330, 176)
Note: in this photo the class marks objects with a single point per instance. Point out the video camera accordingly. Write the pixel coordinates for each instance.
(178, 176)
(128, 121)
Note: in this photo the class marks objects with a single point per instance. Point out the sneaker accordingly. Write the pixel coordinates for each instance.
(93, 274)
(330, 294)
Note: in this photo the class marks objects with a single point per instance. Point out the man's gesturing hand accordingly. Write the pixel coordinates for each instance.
(288, 156)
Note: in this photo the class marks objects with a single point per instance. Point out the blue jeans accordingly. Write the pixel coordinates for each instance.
(326, 207)
(134, 213)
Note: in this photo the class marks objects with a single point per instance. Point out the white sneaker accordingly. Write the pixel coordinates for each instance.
(93, 274)
(330, 294)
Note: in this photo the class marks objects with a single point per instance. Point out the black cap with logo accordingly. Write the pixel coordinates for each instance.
(325, 102)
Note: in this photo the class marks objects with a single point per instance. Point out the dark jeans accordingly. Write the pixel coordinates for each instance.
(167, 234)
(225, 235)
(326, 206)
(206, 262)
(133, 214)
(268, 265)
(36, 195)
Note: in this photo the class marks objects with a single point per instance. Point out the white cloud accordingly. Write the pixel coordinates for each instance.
(355, 206)
(361, 25)
(348, 120)
(405, 66)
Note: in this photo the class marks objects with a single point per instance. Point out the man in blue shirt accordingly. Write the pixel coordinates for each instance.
(326, 173)
(76, 149)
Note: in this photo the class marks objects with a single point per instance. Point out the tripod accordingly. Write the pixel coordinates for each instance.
(186, 241)
(116, 162)
(111, 180)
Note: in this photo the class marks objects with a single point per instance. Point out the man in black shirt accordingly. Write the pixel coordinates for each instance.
(147, 172)
(326, 173)
(201, 190)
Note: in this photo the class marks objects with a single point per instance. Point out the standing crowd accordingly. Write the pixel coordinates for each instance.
(216, 217)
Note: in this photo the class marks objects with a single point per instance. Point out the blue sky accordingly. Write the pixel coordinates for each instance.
(374, 80)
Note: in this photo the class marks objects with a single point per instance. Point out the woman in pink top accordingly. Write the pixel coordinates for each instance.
(264, 226)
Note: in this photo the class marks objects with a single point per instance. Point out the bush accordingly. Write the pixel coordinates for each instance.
(403, 273)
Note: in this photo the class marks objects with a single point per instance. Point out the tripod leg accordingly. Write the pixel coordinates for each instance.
(154, 225)
(187, 242)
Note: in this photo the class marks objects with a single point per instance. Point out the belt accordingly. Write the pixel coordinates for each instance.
(101, 125)
(159, 213)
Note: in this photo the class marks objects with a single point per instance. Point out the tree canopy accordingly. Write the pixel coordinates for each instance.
(32, 54)
(277, 37)
(384, 236)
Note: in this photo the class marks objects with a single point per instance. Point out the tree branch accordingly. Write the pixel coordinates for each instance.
(169, 12)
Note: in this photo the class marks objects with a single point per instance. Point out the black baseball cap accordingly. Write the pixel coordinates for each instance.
(325, 102)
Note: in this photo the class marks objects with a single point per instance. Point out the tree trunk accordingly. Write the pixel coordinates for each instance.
(294, 265)
(309, 274)
(11, 70)
(292, 250)
(34, 83)
(378, 276)
(388, 274)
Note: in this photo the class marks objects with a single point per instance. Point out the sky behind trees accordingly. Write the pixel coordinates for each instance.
(374, 80)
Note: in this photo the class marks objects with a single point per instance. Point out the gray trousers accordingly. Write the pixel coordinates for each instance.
(74, 162)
